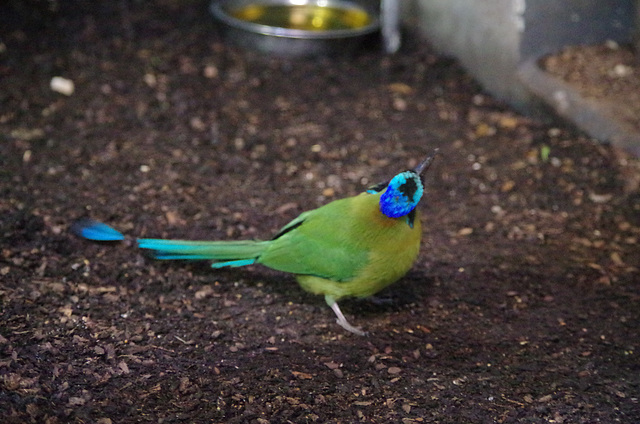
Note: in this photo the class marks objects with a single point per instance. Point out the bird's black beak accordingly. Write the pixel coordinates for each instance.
(425, 164)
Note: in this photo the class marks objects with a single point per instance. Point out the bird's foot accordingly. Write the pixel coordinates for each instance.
(342, 321)
(355, 330)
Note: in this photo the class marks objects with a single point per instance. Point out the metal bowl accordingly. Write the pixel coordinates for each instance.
(297, 28)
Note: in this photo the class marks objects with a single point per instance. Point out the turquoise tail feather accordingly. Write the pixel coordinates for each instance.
(233, 264)
(224, 253)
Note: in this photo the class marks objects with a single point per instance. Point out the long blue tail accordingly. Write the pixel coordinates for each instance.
(223, 253)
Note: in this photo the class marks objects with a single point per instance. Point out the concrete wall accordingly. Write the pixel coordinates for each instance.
(553, 24)
(492, 38)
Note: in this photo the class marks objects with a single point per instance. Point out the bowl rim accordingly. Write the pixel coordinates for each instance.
(220, 9)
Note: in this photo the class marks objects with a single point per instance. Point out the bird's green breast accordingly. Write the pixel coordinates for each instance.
(365, 250)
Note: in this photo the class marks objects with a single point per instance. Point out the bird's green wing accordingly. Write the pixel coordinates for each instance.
(325, 242)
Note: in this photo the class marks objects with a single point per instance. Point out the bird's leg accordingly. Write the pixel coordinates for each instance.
(342, 321)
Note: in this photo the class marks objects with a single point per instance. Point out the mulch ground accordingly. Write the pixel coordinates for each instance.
(522, 307)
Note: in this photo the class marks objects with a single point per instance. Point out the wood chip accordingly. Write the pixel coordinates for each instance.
(394, 370)
(465, 231)
(302, 375)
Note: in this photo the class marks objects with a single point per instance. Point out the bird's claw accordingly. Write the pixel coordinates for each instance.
(342, 321)
(355, 330)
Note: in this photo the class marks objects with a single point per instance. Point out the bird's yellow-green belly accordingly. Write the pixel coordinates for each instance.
(392, 257)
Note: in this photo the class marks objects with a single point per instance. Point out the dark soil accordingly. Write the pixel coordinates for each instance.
(524, 305)
(608, 73)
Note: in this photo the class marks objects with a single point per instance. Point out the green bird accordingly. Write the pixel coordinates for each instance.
(352, 247)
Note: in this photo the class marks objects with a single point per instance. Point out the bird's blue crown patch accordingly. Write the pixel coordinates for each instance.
(402, 194)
